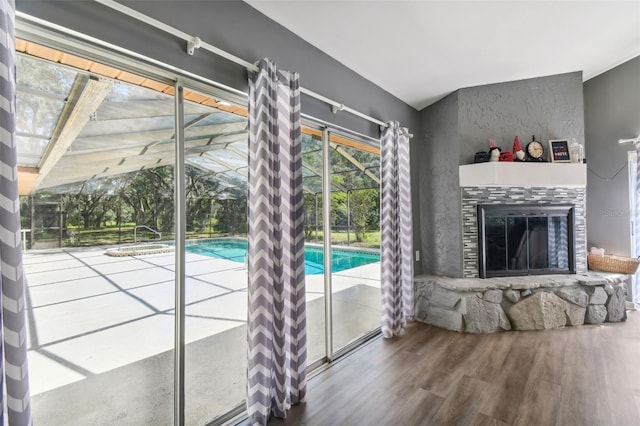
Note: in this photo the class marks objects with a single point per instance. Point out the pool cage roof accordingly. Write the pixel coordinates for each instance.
(85, 127)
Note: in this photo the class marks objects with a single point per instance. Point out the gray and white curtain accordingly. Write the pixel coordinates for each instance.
(635, 291)
(14, 348)
(277, 339)
(397, 231)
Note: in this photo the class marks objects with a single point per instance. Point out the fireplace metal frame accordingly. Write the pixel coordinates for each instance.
(526, 210)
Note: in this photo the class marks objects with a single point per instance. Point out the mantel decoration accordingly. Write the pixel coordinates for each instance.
(518, 153)
(481, 157)
(535, 150)
(576, 152)
(559, 149)
(560, 152)
(494, 150)
(506, 157)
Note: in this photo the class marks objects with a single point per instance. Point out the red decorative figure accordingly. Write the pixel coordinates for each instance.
(518, 153)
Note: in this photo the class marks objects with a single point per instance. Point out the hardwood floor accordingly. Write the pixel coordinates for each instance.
(587, 375)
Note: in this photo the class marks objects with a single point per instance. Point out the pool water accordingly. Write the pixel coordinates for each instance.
(236, 250)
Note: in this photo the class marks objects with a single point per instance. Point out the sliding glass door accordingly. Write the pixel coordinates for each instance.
(118, 257)
(314, 268)
(342, 233)
(355, 239)
(215, 311)
(96, 167)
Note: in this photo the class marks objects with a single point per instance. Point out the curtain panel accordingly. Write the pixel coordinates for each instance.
(635, 291)
(14, 372)
(277, 341)
(397, 231)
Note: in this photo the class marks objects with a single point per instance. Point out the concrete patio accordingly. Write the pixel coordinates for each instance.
(101, 333)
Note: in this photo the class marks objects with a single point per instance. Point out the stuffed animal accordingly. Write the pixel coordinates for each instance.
(481, 157)
(518, 153)
(506, 156)
(494, 150)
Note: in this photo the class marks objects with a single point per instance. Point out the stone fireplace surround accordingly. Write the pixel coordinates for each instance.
(520, 183)
(474, 305)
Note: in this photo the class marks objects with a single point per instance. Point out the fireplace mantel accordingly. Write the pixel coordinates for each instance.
(544, 175)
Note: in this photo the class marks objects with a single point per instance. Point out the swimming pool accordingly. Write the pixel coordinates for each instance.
(236, 250)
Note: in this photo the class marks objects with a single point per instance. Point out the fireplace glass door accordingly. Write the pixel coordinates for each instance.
(525, 240)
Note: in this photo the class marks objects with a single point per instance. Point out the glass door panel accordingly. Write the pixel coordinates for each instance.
(216, 171)
(314, 252)
(355, 239)
(97, 157)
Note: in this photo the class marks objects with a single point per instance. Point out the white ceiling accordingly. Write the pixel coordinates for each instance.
(420, 51)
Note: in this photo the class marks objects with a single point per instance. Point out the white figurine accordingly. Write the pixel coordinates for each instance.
(495, 151)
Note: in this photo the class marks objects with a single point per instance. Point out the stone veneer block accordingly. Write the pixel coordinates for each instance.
(481, 316)
(575, 295)
(593, 280)
(421, 295)
(598, 296)
(445, 298)
(512, 295)
(616, 306)
(443, 318)
(493, 296)
(596, 314)
(575, 314)
(540, 311)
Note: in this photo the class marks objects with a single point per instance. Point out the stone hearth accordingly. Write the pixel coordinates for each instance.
(473, 305)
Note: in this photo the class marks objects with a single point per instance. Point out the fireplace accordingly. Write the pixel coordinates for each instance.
(525, 239)
(539, 196)
(518, 221)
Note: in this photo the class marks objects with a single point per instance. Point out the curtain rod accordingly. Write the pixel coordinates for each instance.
(634, 140)
(195, 43)
(331, 126)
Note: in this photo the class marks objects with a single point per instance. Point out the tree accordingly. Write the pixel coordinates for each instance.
(309, 206)
(232, 216)
(363, 210)
(149, 193)
(200, 199)
(86, 210)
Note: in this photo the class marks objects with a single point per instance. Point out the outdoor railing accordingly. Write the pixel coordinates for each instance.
(135, 232)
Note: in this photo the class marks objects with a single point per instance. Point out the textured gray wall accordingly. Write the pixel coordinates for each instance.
(461, 124)
(239, 29)
(440, 220)
(548, 107)
(612, 112)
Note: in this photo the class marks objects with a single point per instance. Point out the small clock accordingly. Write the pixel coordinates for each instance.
(535, 150)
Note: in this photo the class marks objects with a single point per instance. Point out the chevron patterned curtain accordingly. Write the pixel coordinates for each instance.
(277, 340)
(397, 233)
(635, 291)
(14, 370)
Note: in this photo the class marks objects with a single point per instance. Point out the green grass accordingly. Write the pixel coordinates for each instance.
(108, 236)
(371, 239)
(112, 235)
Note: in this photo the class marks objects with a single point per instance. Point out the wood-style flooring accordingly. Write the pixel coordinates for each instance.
(587, 375)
